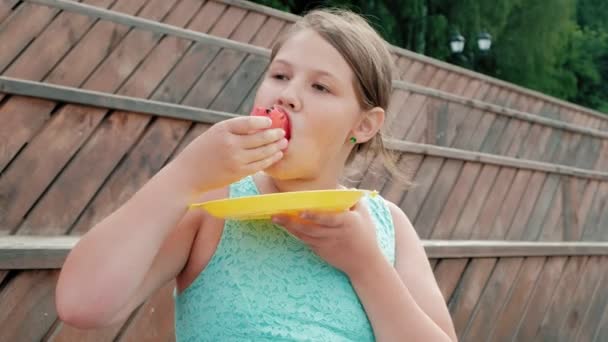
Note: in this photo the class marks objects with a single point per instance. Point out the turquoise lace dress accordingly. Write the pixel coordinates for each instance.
(262, 284)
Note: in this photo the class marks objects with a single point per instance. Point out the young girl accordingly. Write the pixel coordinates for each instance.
(356, 275)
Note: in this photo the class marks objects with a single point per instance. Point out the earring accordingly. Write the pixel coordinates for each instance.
(353, 140)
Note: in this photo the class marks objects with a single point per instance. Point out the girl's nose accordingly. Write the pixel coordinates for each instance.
(288, 99)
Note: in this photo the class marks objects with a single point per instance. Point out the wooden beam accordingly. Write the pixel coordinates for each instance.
(484, 106)
(150, 25)
(118, 102)
(44, 252)
(34, 252)
(112, 101)
(443, 249)
(452, 153)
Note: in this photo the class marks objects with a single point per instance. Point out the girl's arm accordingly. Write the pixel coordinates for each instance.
(130, 254)
(146, 242)
(404, 302)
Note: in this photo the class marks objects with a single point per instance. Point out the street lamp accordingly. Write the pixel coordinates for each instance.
(484, 41)
(457, 43)
(472, 59)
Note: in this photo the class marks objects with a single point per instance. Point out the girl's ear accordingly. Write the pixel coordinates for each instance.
(369, 124)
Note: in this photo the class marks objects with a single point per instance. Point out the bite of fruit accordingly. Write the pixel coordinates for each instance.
(279, 118)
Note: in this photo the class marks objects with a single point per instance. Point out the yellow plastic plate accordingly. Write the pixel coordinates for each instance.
(264, 206)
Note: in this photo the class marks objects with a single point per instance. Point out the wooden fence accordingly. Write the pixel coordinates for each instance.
(512, 186)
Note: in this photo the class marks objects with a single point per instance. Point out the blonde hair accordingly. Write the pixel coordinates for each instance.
(368, 56)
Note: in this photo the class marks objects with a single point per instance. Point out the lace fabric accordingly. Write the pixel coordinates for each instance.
(264, 284)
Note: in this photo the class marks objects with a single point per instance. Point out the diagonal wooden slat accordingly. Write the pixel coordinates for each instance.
(150, 25)
(497, 109)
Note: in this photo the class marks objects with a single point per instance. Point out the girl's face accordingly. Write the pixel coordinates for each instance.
(311, 81)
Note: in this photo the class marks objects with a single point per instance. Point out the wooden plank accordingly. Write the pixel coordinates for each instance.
(43, 108)
(153, 26)
(591, 228)
(549, 284)
(17, 193)
(421, 124)
(601, 334)
(495, 292)
(401, 66)
(457, 198)
(544, 200)
(198, 56)
(581, 208)
(470, 123)
(110, 101)
(475, 141)
(20, 29)
(129, 53)
(472, 207)
(464, 297)
(28, 306)
(598, 302)
(397, 127)
(413, 70)
(18, 252)
(563, 297)
(70, 119)
(567, 329)
(447, 274)
(485, 225)
(424, 180)
(506, 215)
(21, 118)
(223, 66)
(437, 197)
(155, 319)
(459, 121)
(6, 8)
(101, 40)
(394, 191)
(61, 332)
(553, 225)
(525, 206)
(250, 72)
(65, 31)
(506, 319)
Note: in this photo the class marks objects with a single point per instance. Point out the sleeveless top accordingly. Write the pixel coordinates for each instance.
(263, 284)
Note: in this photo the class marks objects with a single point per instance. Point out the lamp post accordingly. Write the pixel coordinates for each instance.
(475, 60)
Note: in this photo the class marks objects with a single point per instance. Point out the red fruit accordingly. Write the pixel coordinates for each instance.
(279, 118)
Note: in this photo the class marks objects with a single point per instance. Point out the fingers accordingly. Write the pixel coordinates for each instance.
(263, 152)
(247, 124)
(264, 163)
(262, 138)
(325, 219)
(311, 225)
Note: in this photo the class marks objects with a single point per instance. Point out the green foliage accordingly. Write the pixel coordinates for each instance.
(559, 47)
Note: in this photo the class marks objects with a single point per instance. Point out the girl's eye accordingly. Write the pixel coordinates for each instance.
(320, 88)
(279, 77)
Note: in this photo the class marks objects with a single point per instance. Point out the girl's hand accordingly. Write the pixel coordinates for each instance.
(231, 150)
(346, 240)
